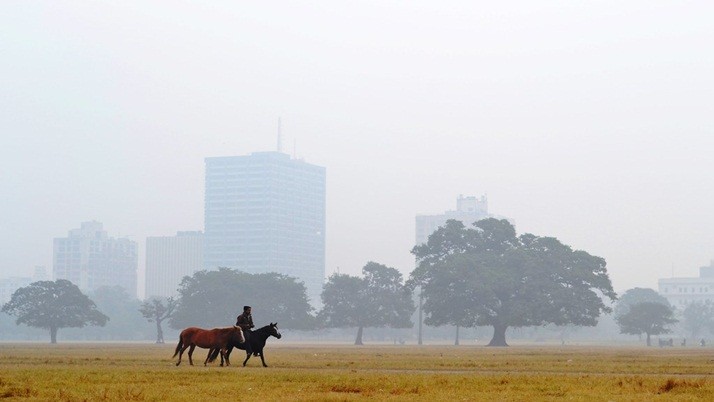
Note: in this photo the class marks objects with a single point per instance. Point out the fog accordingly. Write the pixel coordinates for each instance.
(588, 121)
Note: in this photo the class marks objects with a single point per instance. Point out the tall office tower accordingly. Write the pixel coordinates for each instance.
(265, 212)
(169, 259)
(468, 210)
(90, 259)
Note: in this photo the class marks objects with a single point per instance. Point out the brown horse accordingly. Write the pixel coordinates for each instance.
(218, 338)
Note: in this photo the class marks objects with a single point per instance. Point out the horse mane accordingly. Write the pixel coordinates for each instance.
(265, 328)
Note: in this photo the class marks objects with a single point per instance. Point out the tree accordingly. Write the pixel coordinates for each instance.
(449, 302)
(650, 318)
(498, 279)
(450, 295)
(283, 299)
(638, 295)
(53, 305)
(698, 317)
(378, 299)
(344, 303)
(215, 298)
(154, 310)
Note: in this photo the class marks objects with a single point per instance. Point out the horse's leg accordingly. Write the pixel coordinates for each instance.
(248, 354)
(190, 353)
(224, 355)
(212, 354)
(262, 359)
(183, 348)
(228, 353)
(208, 356)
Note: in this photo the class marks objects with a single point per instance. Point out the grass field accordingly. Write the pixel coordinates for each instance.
(75, 372)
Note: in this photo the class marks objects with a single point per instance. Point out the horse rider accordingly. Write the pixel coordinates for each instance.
(245, 322)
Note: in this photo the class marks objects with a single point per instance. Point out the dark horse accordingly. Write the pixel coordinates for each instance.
(216, 338)
(256, 339)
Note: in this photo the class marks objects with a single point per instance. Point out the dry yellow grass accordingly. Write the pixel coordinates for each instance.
(74, 372)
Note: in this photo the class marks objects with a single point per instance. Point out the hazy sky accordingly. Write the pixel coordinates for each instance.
(590, 121)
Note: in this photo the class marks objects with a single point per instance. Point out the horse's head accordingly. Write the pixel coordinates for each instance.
(238, 334)
(274, 330)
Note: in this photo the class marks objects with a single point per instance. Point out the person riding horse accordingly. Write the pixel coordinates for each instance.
(257, 341)
(245, 321)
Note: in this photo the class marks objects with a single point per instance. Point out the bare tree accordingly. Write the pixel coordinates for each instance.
(154, 310)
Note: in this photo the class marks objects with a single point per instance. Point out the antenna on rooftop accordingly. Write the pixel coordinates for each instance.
(280, 137)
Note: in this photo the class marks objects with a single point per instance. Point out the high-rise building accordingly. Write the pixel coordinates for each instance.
(265, 212)
(468, 210)
(683, 291)
(90, 259)
(169, 259)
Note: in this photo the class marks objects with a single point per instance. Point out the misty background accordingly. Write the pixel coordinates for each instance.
(588, 121)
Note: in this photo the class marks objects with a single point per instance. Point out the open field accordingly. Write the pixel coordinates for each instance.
(141, 372)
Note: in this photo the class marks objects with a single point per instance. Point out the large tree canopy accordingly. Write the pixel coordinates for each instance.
(378, 299)
(53, 305)
(215, 298)
(638, 295)
(493, 277)
(451, 294)
(649, 318)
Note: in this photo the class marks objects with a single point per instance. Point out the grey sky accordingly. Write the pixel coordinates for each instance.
(588, 121)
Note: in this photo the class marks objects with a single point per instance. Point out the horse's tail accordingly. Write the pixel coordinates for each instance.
(178, 347)
(214, 354)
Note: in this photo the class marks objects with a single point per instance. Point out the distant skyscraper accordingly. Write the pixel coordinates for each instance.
(90, 259)
(468, 210)
(169, 259)
(265, 212)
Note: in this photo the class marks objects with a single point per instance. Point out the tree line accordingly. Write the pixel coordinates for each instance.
(481, 275)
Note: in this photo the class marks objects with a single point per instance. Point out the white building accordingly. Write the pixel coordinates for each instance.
(90, 259)
(683, 291)
(169, 259)
(468, 210)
